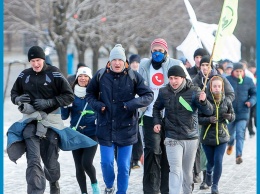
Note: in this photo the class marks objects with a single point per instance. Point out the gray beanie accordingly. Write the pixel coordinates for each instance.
(118, 52)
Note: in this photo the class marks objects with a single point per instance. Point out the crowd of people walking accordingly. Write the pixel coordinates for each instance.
(176, 120)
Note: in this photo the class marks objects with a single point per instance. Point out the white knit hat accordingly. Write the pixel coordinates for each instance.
(85, 71)
(118, 52)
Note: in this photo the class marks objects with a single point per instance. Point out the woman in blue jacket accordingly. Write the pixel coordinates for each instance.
(83, 157)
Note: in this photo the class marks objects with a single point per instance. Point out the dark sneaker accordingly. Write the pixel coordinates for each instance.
(135, 165)
(109, 190)
(203, 186)
(214, 189)
(54, 188)
(239, 160)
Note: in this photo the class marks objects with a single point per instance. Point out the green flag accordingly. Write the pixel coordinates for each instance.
(226, 26)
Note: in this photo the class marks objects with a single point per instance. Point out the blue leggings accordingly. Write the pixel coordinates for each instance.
(123, 163)
(214, 156)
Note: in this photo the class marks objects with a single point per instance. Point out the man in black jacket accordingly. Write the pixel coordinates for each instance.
(45, 88)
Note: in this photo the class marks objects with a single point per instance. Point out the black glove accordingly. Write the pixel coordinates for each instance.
(213, 119)
(41, 104)
(227, 116)
(25, 98)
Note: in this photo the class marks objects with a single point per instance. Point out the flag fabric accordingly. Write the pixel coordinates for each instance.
(208, 34)
(226, 26)
(231, 49)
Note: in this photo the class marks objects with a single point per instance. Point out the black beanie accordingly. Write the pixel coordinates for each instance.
(200, 52)
(237, 66)
(36, 52)
(135, 58)
(206, 59)
(176, 70)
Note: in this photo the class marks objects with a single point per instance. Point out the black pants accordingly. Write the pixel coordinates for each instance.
(83, 159)
(37, 149)
(137, 149)
(250, 124)
(156, 166)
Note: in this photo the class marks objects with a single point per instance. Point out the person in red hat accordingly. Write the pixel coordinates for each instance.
(154, 72)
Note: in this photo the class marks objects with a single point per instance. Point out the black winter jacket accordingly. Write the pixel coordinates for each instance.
(179, 122)
(113, 91)
(216, 133)
(198, 80)
(47, 84)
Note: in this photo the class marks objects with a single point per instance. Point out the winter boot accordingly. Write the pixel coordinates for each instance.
(208, 179)
(214, 189)
(54, 188)
(204, 185)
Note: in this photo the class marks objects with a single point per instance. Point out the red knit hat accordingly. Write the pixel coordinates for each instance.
(160, 42)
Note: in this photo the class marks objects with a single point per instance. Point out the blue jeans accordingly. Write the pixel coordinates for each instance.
(123, 163)
(214, 156)
(237, 132)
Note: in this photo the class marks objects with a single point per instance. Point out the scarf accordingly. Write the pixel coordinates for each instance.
(179, 88)
(80, 91)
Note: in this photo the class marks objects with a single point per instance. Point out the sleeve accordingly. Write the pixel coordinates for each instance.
(229, 91)
(157, 108)
(93, 94)
(231, 111)
(204, 107)
(17, 88)
(145, 94)
(65, 96)
(252, 93)
(203, 120)
(65, 112)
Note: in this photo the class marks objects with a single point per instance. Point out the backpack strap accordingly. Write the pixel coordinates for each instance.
(130, 73)
(100, 74)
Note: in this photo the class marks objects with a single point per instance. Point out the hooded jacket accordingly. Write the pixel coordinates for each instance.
(216, 133)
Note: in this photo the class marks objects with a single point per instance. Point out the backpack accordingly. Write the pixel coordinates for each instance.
(130, 73)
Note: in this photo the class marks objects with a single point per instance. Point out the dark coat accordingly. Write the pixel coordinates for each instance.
(216, 133)
(179, 122)
(245, 92)
(116, 92)
(87, 124)
(47, 84)
(198, 80)
(193, 71)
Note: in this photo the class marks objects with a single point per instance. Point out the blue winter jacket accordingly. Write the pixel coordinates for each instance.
(87, 123)
(117, 93)
(245, 92)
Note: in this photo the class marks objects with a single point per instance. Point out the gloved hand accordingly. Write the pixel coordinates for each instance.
(213, 119)
(24, 98)
(41, 104)
(227, 116)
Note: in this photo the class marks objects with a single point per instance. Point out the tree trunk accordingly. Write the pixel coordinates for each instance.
(95, 59)
(62, 57)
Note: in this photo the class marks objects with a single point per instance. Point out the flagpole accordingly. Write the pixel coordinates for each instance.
(225, 29)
